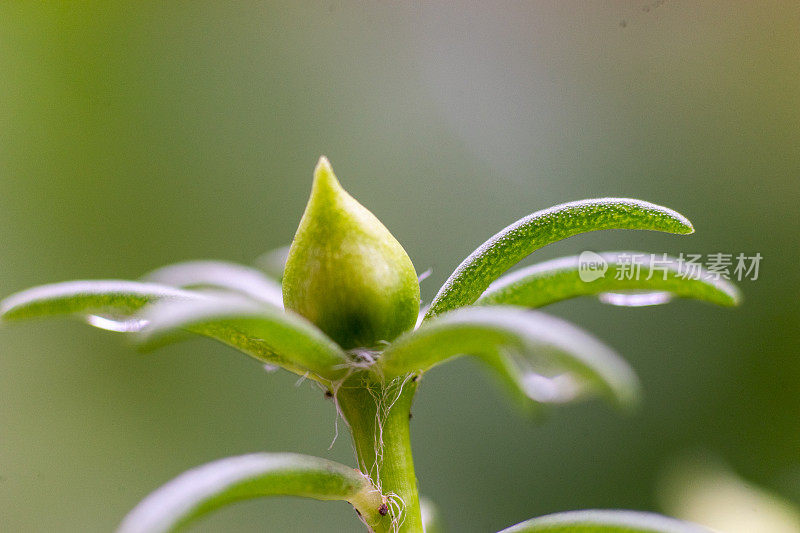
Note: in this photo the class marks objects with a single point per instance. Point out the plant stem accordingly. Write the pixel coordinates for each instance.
(378, 415)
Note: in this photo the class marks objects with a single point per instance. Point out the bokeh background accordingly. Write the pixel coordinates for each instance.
(138, 134)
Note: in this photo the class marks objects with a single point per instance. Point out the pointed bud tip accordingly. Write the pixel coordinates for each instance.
(323, 175)
(323, 165)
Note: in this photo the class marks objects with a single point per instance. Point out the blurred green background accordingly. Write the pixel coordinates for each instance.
(138, 134)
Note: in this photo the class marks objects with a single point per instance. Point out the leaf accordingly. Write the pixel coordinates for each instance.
(109, 304)
(265, 332)
(601, 521)
(214, 485)
(552, 281)
(515, 242)
(539, 357)
(220, 275)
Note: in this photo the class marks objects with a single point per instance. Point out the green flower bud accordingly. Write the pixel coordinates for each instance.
(346, 272)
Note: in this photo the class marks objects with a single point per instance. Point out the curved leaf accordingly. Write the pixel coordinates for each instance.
(209, 487)
(540, 357)
(552, 281)
(109, 304)
(601, 521)
(515, 242)
(220, 275)
(265, 332)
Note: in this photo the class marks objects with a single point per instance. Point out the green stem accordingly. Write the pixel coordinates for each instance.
(378, 416)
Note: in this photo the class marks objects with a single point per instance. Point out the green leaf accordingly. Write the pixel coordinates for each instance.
(109, 304)
(600, 521)
(552, 281)
(515, 242)
(540, 358)
(209, 487)
(265, 332)
(220, 275)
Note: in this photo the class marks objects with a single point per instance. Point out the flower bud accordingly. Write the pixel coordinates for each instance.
(345, 272)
